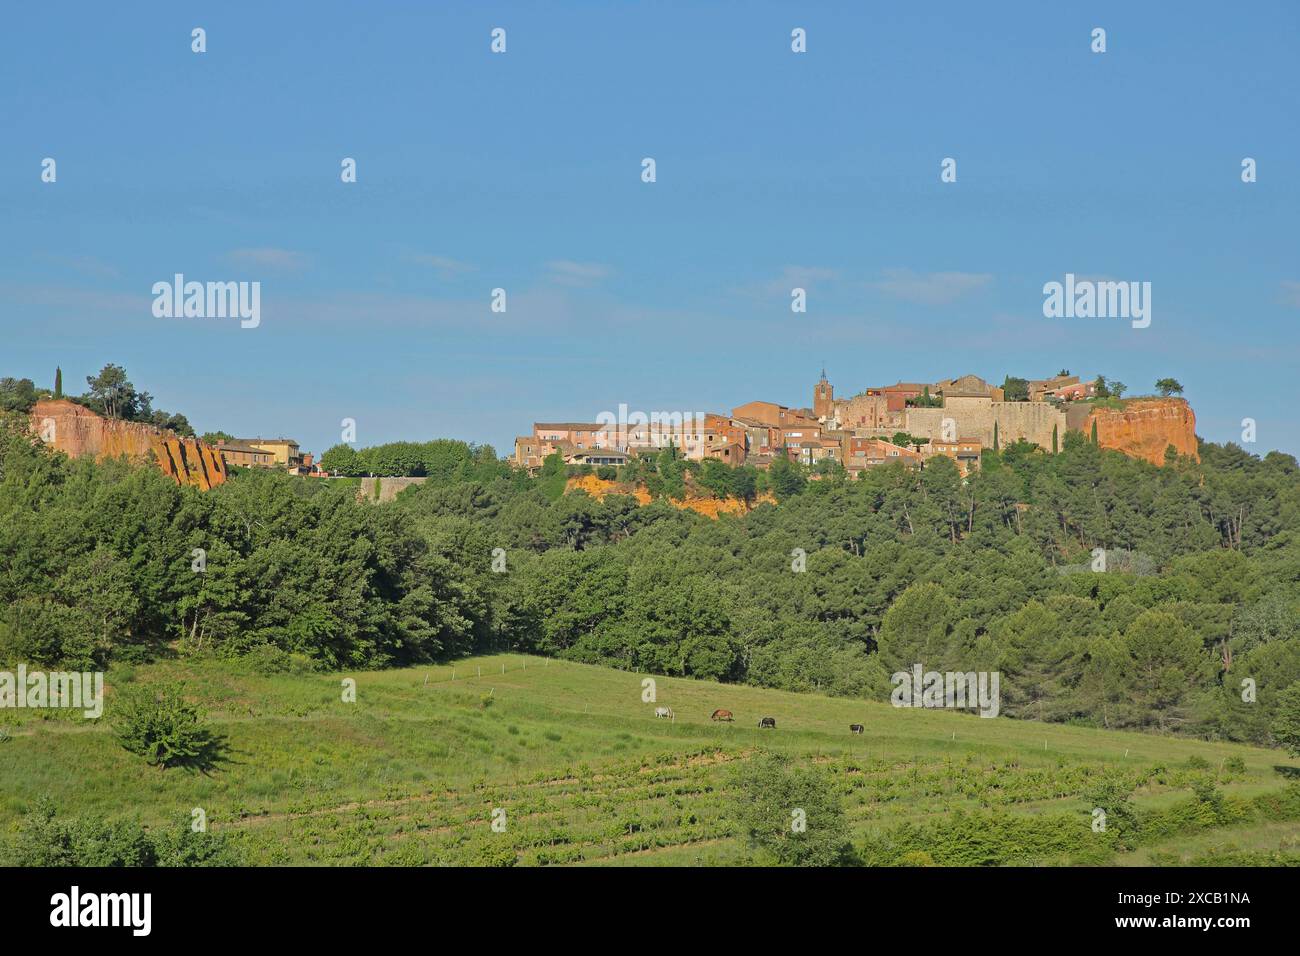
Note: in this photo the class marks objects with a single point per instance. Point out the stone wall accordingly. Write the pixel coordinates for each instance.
(974, 418)
(76, 431)
(388, 488)
(866, 411)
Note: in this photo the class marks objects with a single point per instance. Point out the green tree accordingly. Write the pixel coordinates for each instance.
(1286, 725)
(17, 394)
(790, 815)
(917, 629)
(113, 396)
(786, 478)
(1027, 649)
(1164, 662)
(1015, 389)
(1168, 386)
(58, 382)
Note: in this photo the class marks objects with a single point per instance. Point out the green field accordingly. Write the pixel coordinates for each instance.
(412, 771)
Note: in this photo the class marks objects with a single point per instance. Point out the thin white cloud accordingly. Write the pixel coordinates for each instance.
(445, 266)
(268, 258)
(567, 272)
(931, 288)
(1291, 293)
(798, 277)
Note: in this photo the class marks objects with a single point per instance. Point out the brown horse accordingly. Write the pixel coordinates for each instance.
(722, 715)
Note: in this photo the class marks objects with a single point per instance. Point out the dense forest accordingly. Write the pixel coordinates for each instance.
(833, 588)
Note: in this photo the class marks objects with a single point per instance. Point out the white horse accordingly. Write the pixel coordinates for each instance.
(663, 712)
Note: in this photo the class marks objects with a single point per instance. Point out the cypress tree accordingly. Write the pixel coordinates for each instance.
(1055, 440)
(58, 382)
(995, 436)
(1094, 431)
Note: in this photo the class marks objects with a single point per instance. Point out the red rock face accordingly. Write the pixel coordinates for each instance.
(77, 431)
(1145, 427)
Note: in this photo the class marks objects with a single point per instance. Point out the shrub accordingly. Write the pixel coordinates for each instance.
(45, 840)
(267, 659)
(157, 723)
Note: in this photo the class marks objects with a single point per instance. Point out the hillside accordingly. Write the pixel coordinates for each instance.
(411, 772)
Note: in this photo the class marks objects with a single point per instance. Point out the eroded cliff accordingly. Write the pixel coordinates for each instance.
(77, 431)
(598, 488)
(1145, 427)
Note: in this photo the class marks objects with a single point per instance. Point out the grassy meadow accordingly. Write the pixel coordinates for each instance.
(411, 772)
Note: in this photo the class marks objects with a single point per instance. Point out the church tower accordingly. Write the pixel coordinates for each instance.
(824, 398)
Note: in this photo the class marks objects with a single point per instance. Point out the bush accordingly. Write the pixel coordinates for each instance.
(791, 815)
(267, 659)
(157, 723)
(45, 840)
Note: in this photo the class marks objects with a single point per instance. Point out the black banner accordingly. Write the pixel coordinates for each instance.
(336, 905)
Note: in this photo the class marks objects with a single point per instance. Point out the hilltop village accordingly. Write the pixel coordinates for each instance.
(909, 422)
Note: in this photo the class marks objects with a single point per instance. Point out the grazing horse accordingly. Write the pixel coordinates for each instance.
(855, 728)
(663, 712)
(767, 722)
(722, 715)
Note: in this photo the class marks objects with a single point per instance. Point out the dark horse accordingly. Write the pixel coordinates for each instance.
(767, 722)
(855, 728)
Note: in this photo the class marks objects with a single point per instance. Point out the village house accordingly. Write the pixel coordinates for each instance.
(579, 434)
(594, 456)
(898, 395)
(531, 451)
(1040, 387)
(967, 386)
(1072, 392)
(866, 453)
(724, 440)
(965, 452)
(284, 451)
(245, 455)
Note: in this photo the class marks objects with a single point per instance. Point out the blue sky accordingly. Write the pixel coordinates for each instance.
(523, 171)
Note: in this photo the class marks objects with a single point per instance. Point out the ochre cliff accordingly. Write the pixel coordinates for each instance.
(1145, 427)
(77, 431)
(709, 507)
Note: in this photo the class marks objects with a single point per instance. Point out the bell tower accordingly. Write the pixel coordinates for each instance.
(824, 398)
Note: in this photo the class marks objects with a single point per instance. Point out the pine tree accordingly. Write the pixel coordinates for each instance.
(58, 382)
